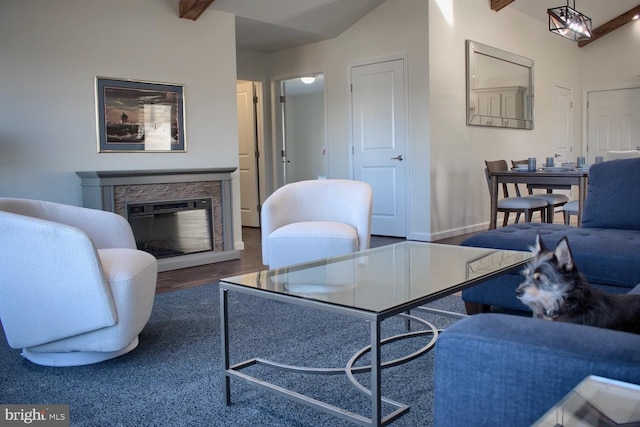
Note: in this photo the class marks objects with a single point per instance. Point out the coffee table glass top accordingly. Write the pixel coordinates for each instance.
(385, 278)
(595, 402)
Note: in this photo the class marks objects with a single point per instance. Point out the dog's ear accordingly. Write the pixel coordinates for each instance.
(563, 255)
(539, 246)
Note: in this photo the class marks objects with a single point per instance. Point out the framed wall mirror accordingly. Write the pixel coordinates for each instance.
(499, 88)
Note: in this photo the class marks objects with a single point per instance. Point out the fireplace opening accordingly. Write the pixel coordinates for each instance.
(172, 228)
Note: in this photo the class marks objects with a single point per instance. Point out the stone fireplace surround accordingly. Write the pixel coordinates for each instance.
(112, 190)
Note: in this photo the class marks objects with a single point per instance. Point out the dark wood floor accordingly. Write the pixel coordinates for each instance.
(250, 261)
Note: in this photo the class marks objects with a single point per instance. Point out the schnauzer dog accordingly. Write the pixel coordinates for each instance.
(554, 289)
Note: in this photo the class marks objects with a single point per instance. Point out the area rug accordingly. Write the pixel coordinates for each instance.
(174, 376)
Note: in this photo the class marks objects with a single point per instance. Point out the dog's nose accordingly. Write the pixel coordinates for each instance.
(519, 291)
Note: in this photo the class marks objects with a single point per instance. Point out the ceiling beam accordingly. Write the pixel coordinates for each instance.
(612, 25)
(496, 5)
(192, 9)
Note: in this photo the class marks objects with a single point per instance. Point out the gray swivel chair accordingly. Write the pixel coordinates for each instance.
(74, 290)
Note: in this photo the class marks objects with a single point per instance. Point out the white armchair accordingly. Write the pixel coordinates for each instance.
(309, 220)
(74, 290)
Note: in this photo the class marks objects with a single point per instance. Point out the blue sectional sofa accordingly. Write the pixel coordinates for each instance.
(504, 370)
(496, 369)
(606, 247)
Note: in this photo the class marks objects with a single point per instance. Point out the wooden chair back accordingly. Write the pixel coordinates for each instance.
(500, 166)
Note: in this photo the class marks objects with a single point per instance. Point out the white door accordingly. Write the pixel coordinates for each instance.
(247, 149)
(379, 141)
(562, 135)
(613, 121)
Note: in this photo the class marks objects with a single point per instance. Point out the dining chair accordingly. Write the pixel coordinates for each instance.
(553, 200)
(569, 208)
(519, 204)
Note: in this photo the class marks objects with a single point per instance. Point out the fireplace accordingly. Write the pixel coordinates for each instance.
(183, 217)
(172, 228)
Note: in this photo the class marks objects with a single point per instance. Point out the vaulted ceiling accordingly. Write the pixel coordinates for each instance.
(606, 15)
(273, 25)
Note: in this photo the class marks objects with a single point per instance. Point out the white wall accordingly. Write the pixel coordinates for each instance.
(447, 190)
(459, 193)
(459, 197)
(50, 52)
(450, 195)
(609, 63)
(614, 60)
(396, 27)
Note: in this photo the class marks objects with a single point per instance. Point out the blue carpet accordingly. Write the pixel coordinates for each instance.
(174, 376)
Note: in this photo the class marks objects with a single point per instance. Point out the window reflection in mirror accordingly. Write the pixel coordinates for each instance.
(499, 88)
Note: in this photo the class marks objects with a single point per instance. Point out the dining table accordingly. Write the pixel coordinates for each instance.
(539, 178)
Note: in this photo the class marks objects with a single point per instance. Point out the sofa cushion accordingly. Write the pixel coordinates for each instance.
(604, 256)
(611, 203)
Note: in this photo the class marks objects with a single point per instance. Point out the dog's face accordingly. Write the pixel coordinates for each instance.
(548, 278)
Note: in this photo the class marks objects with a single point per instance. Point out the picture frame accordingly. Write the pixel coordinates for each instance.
(139, 116)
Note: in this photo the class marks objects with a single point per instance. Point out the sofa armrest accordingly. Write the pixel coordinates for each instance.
(496, 369)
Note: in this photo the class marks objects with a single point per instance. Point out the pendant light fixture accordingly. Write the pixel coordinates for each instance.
(569, 23)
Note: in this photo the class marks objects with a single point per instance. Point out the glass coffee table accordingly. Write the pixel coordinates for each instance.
(596, 402)
(372, 286)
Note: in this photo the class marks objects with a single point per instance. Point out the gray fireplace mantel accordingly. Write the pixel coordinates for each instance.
(153, 176)
(104, 190)
(97, 186)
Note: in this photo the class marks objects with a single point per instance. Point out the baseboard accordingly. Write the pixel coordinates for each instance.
(193, 260)
(445, 234)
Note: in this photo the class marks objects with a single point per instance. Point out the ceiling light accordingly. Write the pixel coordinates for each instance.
(568, 22)
(308, 80)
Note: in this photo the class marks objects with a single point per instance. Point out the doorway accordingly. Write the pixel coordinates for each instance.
(613, 121)
(301, 129)
(563, 124)
(250, 145)
(562, 135)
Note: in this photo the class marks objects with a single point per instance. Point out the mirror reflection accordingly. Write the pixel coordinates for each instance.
(499, 88)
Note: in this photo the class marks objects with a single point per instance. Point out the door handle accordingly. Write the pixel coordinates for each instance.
(398, 157)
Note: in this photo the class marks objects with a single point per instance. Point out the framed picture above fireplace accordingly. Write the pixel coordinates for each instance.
(139, 116)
